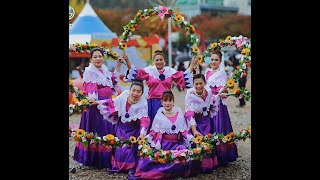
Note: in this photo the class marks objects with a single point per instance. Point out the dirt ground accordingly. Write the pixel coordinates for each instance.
(238, 170)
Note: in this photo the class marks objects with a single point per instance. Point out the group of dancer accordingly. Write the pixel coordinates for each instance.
(155, 118)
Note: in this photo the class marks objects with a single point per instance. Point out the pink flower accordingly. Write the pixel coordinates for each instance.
(162, 11)
(180, 153)
(157, 154)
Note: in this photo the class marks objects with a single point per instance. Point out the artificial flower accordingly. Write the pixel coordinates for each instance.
(178, 18)
(133, 139)
(162, 11)
(230, 83)
(227, 39)
(109, 137)
(80, 133)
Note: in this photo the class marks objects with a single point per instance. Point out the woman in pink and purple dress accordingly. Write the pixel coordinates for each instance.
(129, 113)
(201, 107)
(169, 131)
(99, 83)
(216, 79)
(159, 79)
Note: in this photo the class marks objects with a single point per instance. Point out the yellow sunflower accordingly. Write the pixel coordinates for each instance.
(80, 133)
(213, 45)
(78, 45)
(200, 59)
(206, 144)
(142, 141)
(114, 54)
(132, 28)
(227, 137)
(193, 29)
(198, 140)
(195, 49)
(142, 17)
(133, 139)
(178, 18)
(109, 137)
(70, 82)
(162, 160)
(228, 39)
(187, 29)
(93, 45)
(230, 83)
(84, 101)
(123, 46)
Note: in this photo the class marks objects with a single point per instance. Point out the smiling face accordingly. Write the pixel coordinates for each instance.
(167, 101)
(198, 85)
(159, 62)
(97, 59)
(215, 61)
(135, 92)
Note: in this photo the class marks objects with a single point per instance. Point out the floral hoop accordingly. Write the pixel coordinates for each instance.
(243, 45)
(162, 12)
(204, 145)
(86, 48)
(79, 102)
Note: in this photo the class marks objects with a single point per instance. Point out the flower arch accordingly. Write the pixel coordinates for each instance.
(244, 46)
(162, 12)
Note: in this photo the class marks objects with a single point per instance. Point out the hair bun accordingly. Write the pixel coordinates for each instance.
(138, 80)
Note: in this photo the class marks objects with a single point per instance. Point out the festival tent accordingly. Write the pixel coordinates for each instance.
(88, 26)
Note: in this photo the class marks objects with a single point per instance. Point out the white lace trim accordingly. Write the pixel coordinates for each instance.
(117, 84)
(143, 131)
(188, 140)
(162, 124)
(93, 95)
(188, 78)
(191, 122)
(136, 111)
(93, 75)
(131, 74)
(153, 71)
(103, 111)
(197, 104)
(218, 78)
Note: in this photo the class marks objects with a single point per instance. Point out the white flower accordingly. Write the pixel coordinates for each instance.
(145, 10)
(215, 137)
(116, 138)
(71, 106)
(184, 22)
(83, 139)
(91, 141)
(145, 150)
(244, 66)
(140, 146)
(224, 141)
(104, 138)
(124, 145)
(163, 152)
(79, 103)
(73, 134)
(190, 152)
(236, 141)
(199, 150)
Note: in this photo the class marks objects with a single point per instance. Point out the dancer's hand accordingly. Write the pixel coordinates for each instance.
(222, 95)
(196, 133)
